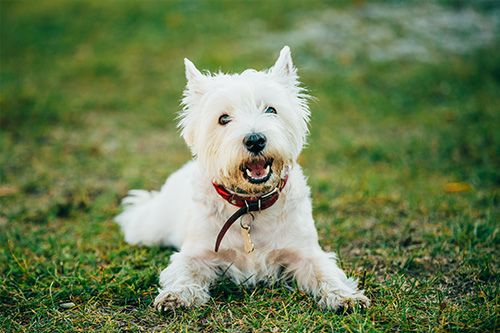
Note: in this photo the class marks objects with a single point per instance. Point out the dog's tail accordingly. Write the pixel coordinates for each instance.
(137, 197)
(141, 219)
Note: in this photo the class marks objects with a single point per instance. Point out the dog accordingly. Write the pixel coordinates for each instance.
(245, 132)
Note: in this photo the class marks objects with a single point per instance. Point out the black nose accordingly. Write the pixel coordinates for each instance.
(255, 142)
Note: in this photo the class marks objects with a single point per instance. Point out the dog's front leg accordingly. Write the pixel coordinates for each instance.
(317, 272)
(185, 282)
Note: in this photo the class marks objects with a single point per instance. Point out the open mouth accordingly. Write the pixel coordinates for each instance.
(258, 171)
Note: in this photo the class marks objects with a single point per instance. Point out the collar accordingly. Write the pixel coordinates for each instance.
(246, 204)
(264, 201)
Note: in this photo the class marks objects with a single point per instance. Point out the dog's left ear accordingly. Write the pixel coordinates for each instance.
(283, 68)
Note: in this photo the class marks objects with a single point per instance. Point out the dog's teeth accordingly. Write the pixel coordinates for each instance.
(268, 168)
(249, 173)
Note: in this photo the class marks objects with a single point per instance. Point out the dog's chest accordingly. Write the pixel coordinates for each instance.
(254, 250)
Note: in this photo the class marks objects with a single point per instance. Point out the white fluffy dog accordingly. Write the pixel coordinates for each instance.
(246, 132)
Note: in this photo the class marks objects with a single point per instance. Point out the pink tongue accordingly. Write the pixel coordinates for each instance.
(257, 169)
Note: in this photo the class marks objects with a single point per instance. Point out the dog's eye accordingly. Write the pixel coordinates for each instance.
(271, 110)
(224, 119)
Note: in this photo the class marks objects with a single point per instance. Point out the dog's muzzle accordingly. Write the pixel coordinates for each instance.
(258, 170)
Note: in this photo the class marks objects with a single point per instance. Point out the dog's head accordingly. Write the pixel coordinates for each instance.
(246, 129)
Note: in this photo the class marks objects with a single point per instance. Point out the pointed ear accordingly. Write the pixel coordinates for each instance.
(195, 89)
(192, 73)
(195, 80)
(283, 68)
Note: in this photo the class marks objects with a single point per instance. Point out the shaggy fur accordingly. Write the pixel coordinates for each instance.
(219, 113)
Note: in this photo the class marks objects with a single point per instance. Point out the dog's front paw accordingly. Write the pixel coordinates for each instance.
(337, 302)
(170, 300)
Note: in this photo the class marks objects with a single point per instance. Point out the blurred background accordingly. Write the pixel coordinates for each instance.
(404, 148)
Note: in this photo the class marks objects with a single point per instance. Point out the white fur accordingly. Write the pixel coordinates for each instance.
(188, 213)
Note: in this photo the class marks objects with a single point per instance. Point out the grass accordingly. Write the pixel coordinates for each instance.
(403, 161)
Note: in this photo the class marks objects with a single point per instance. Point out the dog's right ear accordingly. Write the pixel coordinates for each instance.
(195, 80)
(195, 89)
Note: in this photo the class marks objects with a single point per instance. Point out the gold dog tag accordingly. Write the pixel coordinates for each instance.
(245, 232)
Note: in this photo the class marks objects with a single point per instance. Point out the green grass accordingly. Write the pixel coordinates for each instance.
(89, 94)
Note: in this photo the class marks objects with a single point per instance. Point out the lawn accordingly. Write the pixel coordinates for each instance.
(403, 158)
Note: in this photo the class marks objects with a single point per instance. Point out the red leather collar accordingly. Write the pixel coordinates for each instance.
(246, 204)
(266, 200)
